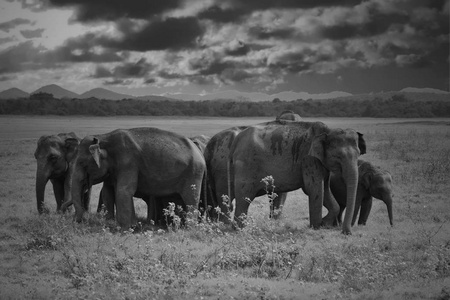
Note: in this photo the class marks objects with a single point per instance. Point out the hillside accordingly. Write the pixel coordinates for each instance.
(13, 93)
(56, 91)
(101, 93)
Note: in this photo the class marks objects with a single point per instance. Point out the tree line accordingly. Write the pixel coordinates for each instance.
(397, 106)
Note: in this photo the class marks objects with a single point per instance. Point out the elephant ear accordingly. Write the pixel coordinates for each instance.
(365, 170)
(361, 144)
(317, 147)
(71, 145)
(97, 152)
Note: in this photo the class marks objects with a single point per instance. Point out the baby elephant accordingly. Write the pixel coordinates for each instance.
(372, 182)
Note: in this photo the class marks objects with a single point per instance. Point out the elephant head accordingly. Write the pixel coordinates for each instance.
(376, 183)
(52, 164)
(88, 166)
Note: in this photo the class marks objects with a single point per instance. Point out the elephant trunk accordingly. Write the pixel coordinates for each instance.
(350, 174)
(73, 194)
(41, 182)
(388, 200)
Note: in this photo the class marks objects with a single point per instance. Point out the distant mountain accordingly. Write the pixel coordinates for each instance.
(423, 90)
(155, 98)
(414, 94)
(423, 95)
(244, 96)
(56, 91)
(101, 93)
(13, 93)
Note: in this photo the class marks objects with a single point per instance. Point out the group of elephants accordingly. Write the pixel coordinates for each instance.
(161, 167)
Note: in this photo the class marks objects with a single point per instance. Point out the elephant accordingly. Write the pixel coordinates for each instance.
(140, 162)
(372, 182)
(52, 164)
(288, 115)
(297, 155)
(216, 156)
(155, 205)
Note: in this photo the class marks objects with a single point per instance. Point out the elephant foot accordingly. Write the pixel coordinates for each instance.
(329, 222)
(346, 232)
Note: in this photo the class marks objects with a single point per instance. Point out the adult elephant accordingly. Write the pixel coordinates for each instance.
(155, 206)
(52, 164)
(216, 155)
(139, 162)
(297, 155)
(373, 182)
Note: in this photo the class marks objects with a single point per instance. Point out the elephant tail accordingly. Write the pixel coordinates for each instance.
(230, 177)
(204, 192)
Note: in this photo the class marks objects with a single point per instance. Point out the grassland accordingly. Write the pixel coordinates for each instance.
(51, 257)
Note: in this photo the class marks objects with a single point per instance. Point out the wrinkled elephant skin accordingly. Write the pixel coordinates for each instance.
(155, 205)
(139, 162)
(297, 155)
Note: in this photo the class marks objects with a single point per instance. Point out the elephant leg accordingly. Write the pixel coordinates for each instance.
(330, 204)
(339, 217)
(313, 186)
(87, 199)
(108, 200)
(366, 206)
(100, 201)
(190, 195)
(152, 210)
(276, 207)
(125, 189)
(220, 190)
(58, 190)
(359, 197)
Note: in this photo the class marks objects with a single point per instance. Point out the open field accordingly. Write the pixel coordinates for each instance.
(51, 257)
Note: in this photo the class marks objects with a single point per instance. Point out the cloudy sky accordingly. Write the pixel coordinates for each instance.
(143, 47)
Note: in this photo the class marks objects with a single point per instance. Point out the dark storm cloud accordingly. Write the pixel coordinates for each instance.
(81, 49)
(101, 72)
(150, 81)
(222, 15)
(110, 10)
(268, 4)
(19, 58)
(6, 78)
(236, 10)
(262, 33)
(377, 23)
(7, 26)
(167, 34)
(138, 69)
(26, 56)
(117, 81)
(31, 34)
(299, 61)
(167, 75)
(215, 67)
(7, 40)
